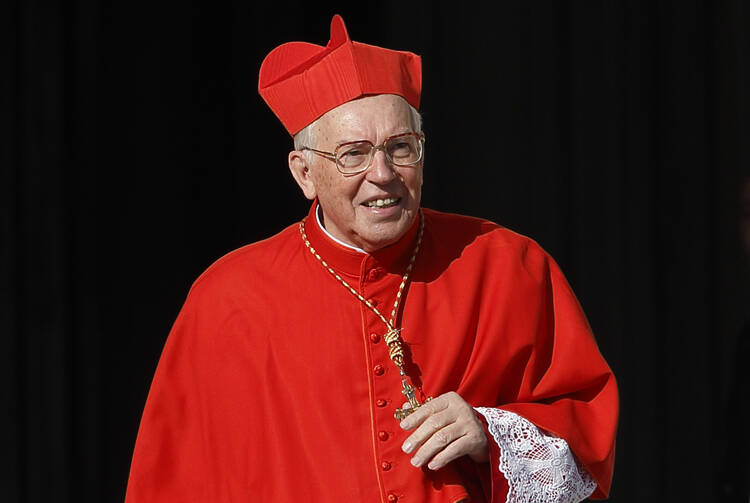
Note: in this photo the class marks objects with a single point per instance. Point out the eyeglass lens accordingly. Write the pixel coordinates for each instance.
(403, 150)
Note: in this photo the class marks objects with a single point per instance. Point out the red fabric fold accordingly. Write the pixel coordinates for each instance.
(267, 389)
(301, 81)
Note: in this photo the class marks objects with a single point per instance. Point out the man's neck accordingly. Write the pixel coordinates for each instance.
(318, 213)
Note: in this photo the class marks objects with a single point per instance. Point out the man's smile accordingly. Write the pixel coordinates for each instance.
(385, 202)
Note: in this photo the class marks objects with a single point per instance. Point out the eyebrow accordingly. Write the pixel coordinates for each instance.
(356, 140)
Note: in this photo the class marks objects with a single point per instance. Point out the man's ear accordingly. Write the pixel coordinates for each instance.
(301, 172)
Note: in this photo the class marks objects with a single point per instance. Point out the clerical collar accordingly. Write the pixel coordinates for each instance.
(348, 260)
(320, 224)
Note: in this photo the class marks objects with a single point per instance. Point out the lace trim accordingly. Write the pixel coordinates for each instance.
(538, 466)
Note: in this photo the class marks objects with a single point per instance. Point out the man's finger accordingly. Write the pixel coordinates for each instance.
(454, 450)
(428, 408)
(427, 428)
(436, 443)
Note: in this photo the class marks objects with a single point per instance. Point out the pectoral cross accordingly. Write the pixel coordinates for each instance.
(409, 392)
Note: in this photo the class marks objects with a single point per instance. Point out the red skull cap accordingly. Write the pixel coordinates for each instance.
(302, 81)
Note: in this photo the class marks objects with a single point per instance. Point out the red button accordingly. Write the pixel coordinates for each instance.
(385, 465)
(374, 274)
(392, 498)
(383, 435)
(373, 302)
(380, 402)
(375, 338)
(379, 370)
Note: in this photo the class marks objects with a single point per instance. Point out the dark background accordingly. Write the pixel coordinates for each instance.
(136, 150)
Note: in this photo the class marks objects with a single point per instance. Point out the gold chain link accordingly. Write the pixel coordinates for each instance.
(392, 337)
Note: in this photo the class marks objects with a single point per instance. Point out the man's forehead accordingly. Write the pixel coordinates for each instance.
(384, 111)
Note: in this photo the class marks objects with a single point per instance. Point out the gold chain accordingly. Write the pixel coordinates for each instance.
(392, 337)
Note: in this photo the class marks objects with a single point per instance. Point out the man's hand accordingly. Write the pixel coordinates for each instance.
(446, 429)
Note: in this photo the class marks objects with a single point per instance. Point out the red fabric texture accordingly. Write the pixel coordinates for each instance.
(266, 389)
(301, 81)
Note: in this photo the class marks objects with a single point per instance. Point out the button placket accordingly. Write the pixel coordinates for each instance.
(382, 393)
(385, 384)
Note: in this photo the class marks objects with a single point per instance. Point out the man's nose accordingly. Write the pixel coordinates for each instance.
(380, 171)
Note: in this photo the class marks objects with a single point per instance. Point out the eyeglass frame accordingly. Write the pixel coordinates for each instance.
(332, 156)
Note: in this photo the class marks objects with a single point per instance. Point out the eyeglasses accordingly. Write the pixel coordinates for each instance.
(354, 157)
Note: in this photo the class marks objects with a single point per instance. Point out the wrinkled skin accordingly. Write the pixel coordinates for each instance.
(343, 198)
(445, 428)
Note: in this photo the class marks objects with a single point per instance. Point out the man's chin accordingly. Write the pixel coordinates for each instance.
(383, 234)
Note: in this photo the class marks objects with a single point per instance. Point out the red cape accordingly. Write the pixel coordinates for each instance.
(275, 384)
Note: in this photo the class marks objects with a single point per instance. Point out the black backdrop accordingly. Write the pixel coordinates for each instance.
(135, 151)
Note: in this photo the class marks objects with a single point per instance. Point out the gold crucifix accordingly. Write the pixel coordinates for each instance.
(408, 391)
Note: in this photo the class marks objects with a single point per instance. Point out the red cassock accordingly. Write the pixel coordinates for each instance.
(275, 383)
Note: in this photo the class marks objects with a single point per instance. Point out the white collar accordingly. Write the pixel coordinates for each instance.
(317, 219)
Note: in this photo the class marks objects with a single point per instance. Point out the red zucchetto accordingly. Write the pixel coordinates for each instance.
(302, 81)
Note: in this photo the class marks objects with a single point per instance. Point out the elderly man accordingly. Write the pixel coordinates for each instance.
(374, 351)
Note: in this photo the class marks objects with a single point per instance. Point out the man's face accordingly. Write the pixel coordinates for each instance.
(346, 200)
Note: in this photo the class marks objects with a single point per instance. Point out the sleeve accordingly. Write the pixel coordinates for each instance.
(562, 394)
(169, 460)
(537, 466)
(183, 450)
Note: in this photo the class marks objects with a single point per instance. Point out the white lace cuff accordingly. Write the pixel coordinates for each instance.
(538, 466)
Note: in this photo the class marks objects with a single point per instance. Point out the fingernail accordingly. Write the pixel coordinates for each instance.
(404, 424)
(416, 461)
(432, 466)
(406, 447)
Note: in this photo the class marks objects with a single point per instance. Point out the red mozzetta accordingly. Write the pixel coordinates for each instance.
(275, 383)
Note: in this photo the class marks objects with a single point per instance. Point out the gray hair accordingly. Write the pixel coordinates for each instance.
(306, 136)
